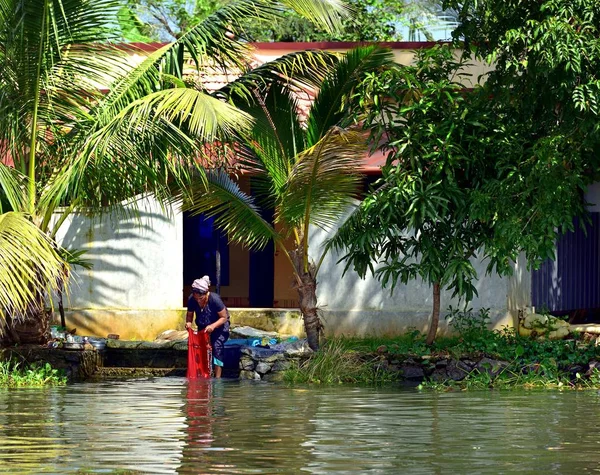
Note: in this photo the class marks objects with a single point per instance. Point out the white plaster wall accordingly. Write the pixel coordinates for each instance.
(137, 261)
(519, 287)
(352, 305)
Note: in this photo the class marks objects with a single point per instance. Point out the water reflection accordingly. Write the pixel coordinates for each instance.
(171, 426)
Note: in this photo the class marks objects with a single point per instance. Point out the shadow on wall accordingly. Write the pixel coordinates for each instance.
(357, 304)
(128, 324)
(519, 288)
(131, 258)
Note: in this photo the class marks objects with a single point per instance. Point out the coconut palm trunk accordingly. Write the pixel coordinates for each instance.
(34, 328)
(31, 327)
(307, 298)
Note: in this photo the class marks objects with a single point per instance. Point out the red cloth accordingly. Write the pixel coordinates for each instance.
(199, 355)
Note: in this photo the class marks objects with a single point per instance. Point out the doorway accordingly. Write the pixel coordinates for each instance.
(570, 285)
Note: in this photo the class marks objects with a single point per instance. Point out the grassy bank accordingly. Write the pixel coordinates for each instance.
(517, 361)
(19, 375)
(337, 362)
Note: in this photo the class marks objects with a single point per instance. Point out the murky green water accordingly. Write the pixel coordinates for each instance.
(169, 426)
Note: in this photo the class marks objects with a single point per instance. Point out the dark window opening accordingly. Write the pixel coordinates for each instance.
(368, 183)
(202, 241)
(262, 266)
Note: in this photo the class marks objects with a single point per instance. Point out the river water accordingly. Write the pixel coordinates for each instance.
(167, 425)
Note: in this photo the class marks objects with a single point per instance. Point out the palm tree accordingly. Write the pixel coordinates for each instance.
(73, 146)
(28, 262)
(308, 173)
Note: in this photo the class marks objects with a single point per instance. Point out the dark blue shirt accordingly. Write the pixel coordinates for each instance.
(209, 314)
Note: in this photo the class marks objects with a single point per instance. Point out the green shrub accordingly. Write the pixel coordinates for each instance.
(16, 374)
(532, 363)
(476, 339)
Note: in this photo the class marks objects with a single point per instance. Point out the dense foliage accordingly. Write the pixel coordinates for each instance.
(419, 221)
(526, 362)
(509, 166)
(544, 91)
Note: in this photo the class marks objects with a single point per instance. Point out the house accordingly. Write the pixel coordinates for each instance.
(143, 266)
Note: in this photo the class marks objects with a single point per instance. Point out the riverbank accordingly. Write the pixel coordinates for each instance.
(475, 359)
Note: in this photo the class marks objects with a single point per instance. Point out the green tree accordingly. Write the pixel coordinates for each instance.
(372, 20)
(164, 20)
(75, 147)
(544, 92)
(418, 222)
(307, 174)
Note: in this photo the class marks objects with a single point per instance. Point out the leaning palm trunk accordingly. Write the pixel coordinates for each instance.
(32, 327)
(307, 298)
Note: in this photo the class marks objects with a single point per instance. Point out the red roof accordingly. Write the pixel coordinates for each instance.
(373, 162)
(302, 46)
(5, 157)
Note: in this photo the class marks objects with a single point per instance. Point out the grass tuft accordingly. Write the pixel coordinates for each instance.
(335, 363)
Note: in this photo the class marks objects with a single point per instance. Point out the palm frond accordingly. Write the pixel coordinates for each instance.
(328, 108)
(327, 14)
(324, 181)
(13, 185)
(275, 140)
(203, 117)
(148, 145)
(75, 257)
(235, 212)
(300, 71)
(29, 264)
(212, 45)
(49, 49)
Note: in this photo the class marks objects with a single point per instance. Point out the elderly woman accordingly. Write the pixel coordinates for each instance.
(211, 316)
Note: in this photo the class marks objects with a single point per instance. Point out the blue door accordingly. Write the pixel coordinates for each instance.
(571, 284)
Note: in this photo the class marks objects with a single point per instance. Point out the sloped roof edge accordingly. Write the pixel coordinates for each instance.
(298, 46)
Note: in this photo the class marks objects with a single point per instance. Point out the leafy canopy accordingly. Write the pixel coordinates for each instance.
(417, 222)
(544, 91)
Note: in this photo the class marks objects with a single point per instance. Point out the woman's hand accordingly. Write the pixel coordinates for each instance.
(188, 325)
(209, 329)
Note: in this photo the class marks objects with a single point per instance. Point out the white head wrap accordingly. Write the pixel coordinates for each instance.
(201, 285)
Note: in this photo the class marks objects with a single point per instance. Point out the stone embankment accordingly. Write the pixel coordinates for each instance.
(268, 364)
(245, 356)
(439, 370)
(76, 365)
